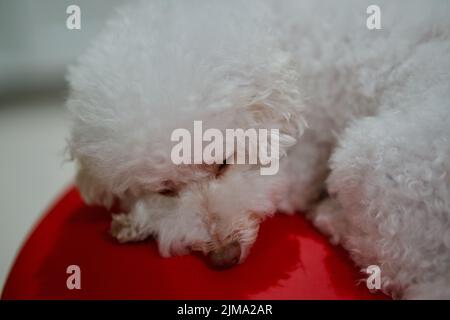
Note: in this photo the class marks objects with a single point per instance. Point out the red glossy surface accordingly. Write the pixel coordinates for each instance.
(290, 260)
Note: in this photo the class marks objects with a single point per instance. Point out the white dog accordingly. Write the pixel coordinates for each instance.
(369, 109)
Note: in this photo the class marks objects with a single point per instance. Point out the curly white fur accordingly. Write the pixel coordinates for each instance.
(377, 103)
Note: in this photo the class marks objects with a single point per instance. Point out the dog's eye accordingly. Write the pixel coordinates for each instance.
(168, 189)
(168, 192)
(221, 169)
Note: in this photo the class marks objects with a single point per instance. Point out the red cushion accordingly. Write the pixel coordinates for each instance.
(290, 260)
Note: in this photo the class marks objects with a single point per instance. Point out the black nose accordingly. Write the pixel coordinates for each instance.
(226, 256)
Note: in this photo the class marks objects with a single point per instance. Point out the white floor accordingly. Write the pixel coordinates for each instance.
(32, 168)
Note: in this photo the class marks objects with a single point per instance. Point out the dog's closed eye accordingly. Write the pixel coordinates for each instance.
(168, 189)
(168, 192)
(221, 169)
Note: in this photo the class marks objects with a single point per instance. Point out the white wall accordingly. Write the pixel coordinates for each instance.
(35, 48)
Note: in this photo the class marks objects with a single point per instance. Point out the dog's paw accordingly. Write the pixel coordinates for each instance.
(328, 218)
(125, 229)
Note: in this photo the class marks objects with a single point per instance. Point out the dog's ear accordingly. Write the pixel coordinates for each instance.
(91, 190)
(287, 121)
(274, 101)
(265, 97)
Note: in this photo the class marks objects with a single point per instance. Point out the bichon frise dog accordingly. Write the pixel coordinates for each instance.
(369, 111)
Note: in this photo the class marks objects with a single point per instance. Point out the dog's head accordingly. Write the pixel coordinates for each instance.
(218, 214)
(214, 206)
(127, 106)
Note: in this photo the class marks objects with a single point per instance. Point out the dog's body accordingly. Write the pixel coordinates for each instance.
(376, 104)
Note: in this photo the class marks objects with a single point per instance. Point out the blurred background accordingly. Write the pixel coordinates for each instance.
(35, 49)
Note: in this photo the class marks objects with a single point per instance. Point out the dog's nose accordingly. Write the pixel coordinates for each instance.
(226, 256)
